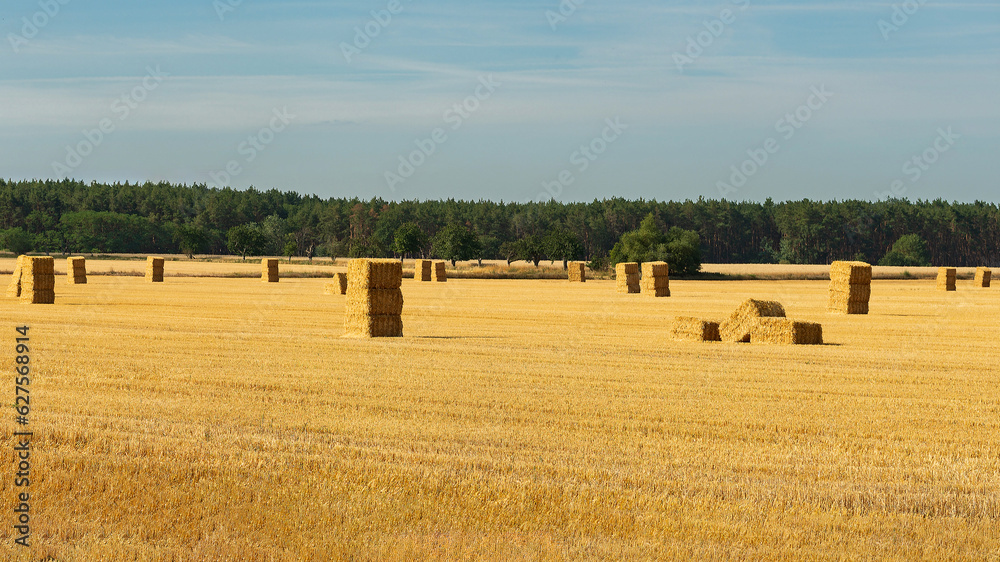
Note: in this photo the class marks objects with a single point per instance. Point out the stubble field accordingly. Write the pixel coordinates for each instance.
(215, 418)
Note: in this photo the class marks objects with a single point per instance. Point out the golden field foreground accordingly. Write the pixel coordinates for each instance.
(226, 419)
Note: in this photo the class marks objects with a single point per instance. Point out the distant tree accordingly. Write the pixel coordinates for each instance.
(532, 249)
(455, 243)
(678, 247)
(17, 240)
(560, 244)
(908, 250)
(247, 239)
(510, 251)
(291, 247)
(191, 239)
(489, 248)
(409, 240)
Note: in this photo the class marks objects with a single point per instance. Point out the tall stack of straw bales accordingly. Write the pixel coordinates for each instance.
(374, 298)
(656, 278)
(850, 287)
(154, 269)
(422, 270)
(338, 287)
(627, 277)
(983, 276)
(76, 270)
(269, 270)
(786, 331)
(740, 323)
(695, 329)
(946, 278)
(577, 272)
(439, 273)
(14, 288)
(38, 280)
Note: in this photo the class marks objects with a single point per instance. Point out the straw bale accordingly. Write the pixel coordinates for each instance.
(946, 278)
(76, 270)
(376, 302)
(627, 277)
(655, 269)
(154, 269)
(388, 326)
(14, 288)
(37, 280)
(737, 327)
(577, 272)
(786, 331)
(422, 270)
(37, 265)
(269, 270)
(374, 274)
(439, 273)
(851, 272)
(342, 281)
(46, 296)
(687, 328)
(629, 268)
(331, 288)
(983, 276)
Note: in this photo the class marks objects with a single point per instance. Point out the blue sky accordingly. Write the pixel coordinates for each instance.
(187, 89)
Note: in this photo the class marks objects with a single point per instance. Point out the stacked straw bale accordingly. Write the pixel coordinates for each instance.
(786, 331)
(339, 287)
(627, 277)
(14, 288)
(946, 278)
(154, 269)
(269, 270)
(38, 280)
(422, 270)
(577, 272)
(76, 270)
(983, 276)
(439, 273)
(695, 329)
(374, 298)
(740, 323)
(656, 278)
(850, 287)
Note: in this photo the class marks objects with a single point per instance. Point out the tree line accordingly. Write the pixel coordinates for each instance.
(68, 216)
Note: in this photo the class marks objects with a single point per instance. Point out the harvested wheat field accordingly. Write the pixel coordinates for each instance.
(214, 418)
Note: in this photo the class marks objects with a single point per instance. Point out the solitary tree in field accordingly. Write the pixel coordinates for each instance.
(455, 242)
(246, 239)
(909, 250)
(678, 247)
(409, 240)
(561, 244)
(17, 240)
(191, 239)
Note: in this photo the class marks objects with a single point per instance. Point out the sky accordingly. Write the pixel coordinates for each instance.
(511, 100)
